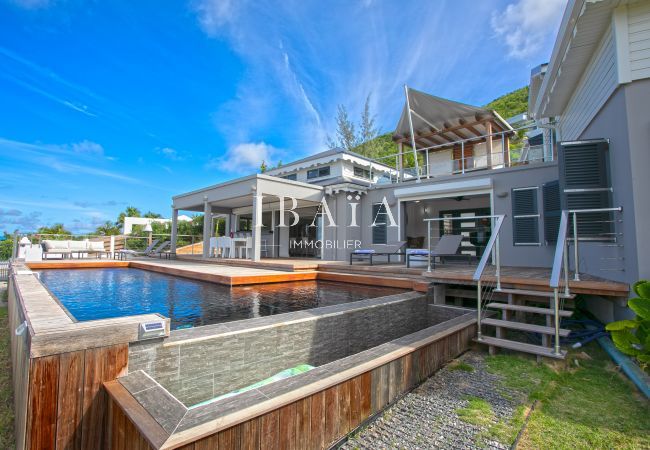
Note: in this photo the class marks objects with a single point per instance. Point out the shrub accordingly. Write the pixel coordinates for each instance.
(632, 337)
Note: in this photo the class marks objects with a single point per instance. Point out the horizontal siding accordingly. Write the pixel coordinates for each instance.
(596, 86)
(639, 33)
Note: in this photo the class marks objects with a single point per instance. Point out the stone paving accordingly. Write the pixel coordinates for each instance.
(426, 418)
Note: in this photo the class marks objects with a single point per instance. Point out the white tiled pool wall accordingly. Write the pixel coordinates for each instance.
(201, 366)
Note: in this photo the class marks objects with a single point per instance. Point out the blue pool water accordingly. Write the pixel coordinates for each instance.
(90, 294)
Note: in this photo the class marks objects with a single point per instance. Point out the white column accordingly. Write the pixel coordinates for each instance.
(257, 226)
(207, 232)
(174, 236)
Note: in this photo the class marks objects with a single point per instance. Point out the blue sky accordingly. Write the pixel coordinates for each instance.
(104, 104)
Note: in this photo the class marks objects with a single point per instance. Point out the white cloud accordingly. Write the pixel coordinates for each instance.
(526, 25)
(86, 147)
(214, 14)
(245, 157)
(170, 154)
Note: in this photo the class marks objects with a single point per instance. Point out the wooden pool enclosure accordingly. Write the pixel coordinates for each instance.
(68, 393)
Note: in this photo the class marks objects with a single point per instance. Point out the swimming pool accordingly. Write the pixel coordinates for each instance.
(90, 294)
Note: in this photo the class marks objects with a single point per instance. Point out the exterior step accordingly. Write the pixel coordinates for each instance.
(521, 347)
(534, 293)
(524, 327)
(529, 309)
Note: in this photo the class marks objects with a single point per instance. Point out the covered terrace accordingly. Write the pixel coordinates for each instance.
(448, 137)
(252, 195)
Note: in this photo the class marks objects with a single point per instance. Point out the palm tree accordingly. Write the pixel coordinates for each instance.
(107, 229)
(129, 211)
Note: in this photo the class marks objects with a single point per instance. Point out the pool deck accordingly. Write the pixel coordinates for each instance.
(233, 272)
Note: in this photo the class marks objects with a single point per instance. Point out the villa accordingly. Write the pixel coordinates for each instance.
(342, 282)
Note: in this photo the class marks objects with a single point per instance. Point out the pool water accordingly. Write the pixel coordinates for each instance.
(90, 294)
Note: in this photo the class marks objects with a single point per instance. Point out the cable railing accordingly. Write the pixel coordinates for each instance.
(467, 156)
(601, 228)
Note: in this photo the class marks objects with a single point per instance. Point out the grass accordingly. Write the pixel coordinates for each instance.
(584, 404)
(477, 412)
(6, 388)
(460, 365)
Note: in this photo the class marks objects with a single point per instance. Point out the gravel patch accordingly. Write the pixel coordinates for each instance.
(426, 418)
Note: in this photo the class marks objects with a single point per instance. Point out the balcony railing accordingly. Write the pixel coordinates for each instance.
(428, 166)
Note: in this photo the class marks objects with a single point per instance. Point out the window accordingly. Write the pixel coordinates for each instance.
(318, 173)
(291, 176)
(380, 221)
(525, 216)
(585, 184)
(245, 224)
(361, 172)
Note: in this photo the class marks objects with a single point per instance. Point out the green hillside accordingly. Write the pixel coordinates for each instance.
(508, 105)
(511, 104)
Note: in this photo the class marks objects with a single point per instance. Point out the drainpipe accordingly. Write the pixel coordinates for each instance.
(633, 372)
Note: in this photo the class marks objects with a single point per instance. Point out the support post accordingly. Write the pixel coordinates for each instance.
(428, 246)
(439, 294)
(257, 226)
(506, 150)
(576, 256)
(488, 143)
(479, 336)
(415, 151)
(462, 156)
(497, 252)
(566, 268)
(400, 162)
(174, 236)
(207, 213)
(556, 311)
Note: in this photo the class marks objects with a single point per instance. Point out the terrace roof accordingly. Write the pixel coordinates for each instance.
(438, 121)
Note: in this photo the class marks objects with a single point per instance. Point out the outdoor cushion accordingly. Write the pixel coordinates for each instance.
(364, 251)
(96, 246)
(417, 251)
(78, 245)
(56, 245)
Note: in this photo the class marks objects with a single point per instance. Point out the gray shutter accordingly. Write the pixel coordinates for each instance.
(585, 184)
(552, 210)
(379, 231)
(525, 216)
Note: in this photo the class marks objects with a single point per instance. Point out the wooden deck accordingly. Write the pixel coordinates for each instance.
(237, 272)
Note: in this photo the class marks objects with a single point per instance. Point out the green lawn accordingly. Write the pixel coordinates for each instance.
(6, 391)
(584, 403)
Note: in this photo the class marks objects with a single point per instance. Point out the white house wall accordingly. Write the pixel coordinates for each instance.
(638, 26)
(596, 85)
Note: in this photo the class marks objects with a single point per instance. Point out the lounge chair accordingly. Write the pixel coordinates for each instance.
(448, 245)
(124, 253)
(361, 254)
(160, 249)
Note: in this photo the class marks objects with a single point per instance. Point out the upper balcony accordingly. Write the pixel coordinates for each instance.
(438, 137)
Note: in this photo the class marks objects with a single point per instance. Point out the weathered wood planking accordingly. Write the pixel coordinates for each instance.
(320, 419)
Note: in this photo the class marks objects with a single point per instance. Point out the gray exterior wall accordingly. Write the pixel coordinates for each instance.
(199, 364)
(503, 181)
(625, 121)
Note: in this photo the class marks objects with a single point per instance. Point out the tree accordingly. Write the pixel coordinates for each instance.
(107, 229)
(57, 228)
(130, 211)
(6, 247)
(368, 132)
(263, 167)
(346, 135)
(152, 215)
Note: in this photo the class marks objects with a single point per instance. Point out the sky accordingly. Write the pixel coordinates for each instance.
(109, 104)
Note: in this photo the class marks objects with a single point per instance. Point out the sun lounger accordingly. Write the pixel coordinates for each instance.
(448, 245)
(124, 253)
(160, 249)
(370, 254)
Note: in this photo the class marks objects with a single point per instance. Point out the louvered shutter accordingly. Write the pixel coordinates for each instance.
(525, 216)
(379, 230)
(552, 210)
(585, 184)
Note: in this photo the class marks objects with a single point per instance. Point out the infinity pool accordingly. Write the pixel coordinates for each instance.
(90, 294)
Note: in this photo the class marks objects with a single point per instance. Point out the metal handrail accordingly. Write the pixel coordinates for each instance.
(494, 238)
(560, 251)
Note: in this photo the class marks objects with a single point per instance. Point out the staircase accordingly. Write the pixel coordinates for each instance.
(517, 317)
